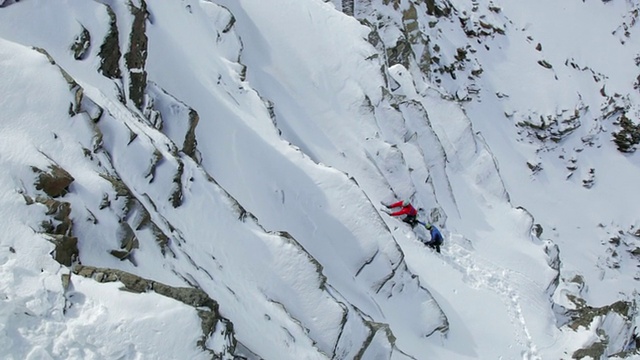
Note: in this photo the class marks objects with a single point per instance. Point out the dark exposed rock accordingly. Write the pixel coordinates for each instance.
(438, 8)
(142, 219)
(128, 242)
(131, 282)
(136, 56)
(55, 182)
(110, 49)
(400, 53)
(81, 44)
(545, 64)
(584, 315)
(374, 329)
(60, 222)
(105, 203)
(175, 118)
(411, 37)
(81, 104)
(66, 281)
(127, 237)
(554, 127)
(537, 230)
(70, 81)
(161, 238)
(58, 229)
(60, 232)
(475, 27)
(595, 350)
(590, 180)
(348, 7)
(122, 190)
(120, 254)
(190, 143)
(66, 251)
(628, 137)
(207, 308)
(535, 168)
(5, 3)
(157, 158)
(489, 29)
(176, 194)
(231, 21)
(395, 3)
(615, 241)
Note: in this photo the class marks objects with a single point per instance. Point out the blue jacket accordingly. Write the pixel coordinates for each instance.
(436, 236)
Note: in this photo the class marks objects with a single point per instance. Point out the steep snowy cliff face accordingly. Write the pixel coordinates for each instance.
(202, 179)
(553, 90)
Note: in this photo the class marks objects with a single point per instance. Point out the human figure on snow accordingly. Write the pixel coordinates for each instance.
(407, 210)
(436, 237)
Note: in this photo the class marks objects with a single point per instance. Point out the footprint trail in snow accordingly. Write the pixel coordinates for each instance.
(481, 273)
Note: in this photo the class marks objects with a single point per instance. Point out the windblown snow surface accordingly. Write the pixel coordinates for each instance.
(243, 148)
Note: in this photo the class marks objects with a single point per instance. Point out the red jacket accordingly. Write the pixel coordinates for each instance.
(406, 210)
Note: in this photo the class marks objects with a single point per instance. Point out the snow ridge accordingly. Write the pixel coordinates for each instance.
(240, 150)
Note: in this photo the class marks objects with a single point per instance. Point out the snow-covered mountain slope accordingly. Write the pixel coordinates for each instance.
(224, 161)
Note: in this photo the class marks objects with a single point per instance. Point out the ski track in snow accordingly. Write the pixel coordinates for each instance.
(483, 274)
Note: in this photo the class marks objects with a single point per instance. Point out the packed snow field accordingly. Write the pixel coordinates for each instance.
(203, 179)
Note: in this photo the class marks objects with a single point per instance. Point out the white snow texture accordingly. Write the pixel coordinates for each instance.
(244, 147)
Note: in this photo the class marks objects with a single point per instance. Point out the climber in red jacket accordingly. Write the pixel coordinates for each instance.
(407, 210)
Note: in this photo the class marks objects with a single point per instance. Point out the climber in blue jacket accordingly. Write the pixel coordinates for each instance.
(436, 237)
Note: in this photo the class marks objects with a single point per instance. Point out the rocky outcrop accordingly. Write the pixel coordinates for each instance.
(110, 49)
(213, 324)
(128, 242)
(628, 137)
(550, 127)
(585, 316)
(611, 328)
(54, 182)
(190, 144)
(173, 117)
(5, 3)
(177, 194)
(407, 34)
(81, 44)
(66, 251)
(121, 191)
(348, 7)
(134, 216)
(400, 49)
(57, 228)
(136, 56)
